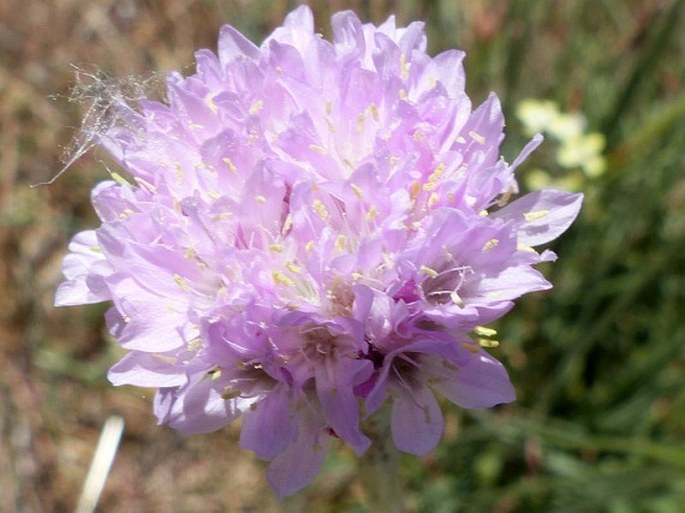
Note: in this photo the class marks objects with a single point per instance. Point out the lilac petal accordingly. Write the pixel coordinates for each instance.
(295, 467)
(449, 69)
(267, 427)
(335, 389)
(233, 45)
(300, 18)
(527, 150)
(146, 370)
(542, 215)
(146, 324)
(416, 420)
(481, 383)
(347, 30)
(200, 408)
(510, 284)
(84, 268)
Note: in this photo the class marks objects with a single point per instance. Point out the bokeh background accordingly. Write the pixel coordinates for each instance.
(599, 362)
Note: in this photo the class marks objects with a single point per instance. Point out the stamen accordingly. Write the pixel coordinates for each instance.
(484, 332)
(432, 273)
(487, 342)
(477, 137)
(320, 209)
(181, 282)
(281, 279)
(534, 216)
(490, 245)
(256, 107)
(231, 166)
(318, 149)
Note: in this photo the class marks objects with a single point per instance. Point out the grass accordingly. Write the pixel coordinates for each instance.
(598, 362)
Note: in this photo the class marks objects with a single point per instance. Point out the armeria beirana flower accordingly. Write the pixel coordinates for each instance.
(308, 230)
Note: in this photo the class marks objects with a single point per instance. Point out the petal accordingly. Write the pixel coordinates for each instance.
(416, 420)
(481, 383)
(542, 216)
(299, 464)
(507, 285)
(146, 370)
(266, 427)
(232, 45)
(335, 388)
(84, 269)
(199, 408)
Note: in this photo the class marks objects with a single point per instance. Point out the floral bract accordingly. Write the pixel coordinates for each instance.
(310, 230)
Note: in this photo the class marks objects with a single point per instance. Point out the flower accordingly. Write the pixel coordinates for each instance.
(310, 227)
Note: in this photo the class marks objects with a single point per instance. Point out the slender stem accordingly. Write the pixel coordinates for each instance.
(379, 469)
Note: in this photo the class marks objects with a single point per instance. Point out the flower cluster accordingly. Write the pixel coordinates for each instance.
(577, 147)
(310, 230)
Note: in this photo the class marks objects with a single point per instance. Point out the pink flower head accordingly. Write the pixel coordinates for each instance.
(311, 226)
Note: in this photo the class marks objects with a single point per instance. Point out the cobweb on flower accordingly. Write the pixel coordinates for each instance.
(106, 100)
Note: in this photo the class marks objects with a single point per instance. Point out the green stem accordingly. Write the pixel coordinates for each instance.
(379, 470)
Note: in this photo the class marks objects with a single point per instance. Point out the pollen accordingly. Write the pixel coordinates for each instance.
(256, 107)
(260, 199)
(534, 216)
(487, 342)
(505, 197)
(525, 247)
(118, 178)
(404, 67)
(484, 332)
(318, 149)
(293, 267)
(360, 122)
(374, 112)
(492, 243)
(432, 273)
(214, 374)
(456, 298)
(230, 165)
(340, 242)
(281, 279)
(181, 282)
(477, 137)
(309, 246)
(372, 213)
(433, 199)
(357, 191)
(320, 209)
(209, 100)
(277, 248)
(434, 177)
(287, 224)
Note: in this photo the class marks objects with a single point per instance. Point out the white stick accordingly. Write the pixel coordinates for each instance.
(101, 464)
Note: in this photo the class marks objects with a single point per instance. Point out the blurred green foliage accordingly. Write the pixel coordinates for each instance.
(599, 361)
